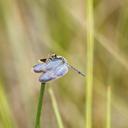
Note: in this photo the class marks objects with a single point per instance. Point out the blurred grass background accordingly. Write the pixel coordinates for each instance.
(29, 30)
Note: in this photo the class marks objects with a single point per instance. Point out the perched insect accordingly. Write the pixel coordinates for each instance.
(52, 68)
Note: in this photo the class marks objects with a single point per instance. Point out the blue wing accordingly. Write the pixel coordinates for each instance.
(44, 67)
(54, 74)
(61, 70)
(38, 68)
(51, 65)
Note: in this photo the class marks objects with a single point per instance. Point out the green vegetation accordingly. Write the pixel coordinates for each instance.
(92, 36)
(55, 108)
(90, 52)
(39, 108)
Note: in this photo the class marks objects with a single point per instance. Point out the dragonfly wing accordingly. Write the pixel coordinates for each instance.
(61, 70)
(54, 74)
(51, 65)
(39, 68)
(44, 67)
(48, 76)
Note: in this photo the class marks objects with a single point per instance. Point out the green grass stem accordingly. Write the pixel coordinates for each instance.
(39, 108)
(108, 115)
(55, 108)
(90, 49)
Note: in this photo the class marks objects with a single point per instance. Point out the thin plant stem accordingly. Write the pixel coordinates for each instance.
(5, 112)
(90, 50)
(108, 115)
(39, 108)
(55, 108)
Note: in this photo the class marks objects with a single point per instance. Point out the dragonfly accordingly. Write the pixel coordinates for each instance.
(53, 67)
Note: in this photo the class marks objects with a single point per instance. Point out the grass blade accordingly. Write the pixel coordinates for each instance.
(55, 108)
(90, 49)
(39, 108)
(108, 115)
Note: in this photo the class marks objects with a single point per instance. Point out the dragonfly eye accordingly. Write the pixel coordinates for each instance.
(53, 56)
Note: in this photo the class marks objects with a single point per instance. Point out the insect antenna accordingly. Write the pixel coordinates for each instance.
(79, 72)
